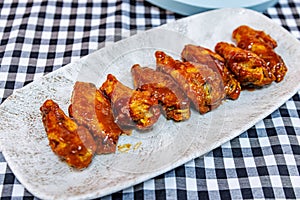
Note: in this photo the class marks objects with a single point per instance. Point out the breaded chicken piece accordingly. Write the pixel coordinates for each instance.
(245, 31)
(72, 142)
(201, 84)
(263, 45)
(214, 61)
(90, 108)
(249, 69)
(131, 108)
(174, 102)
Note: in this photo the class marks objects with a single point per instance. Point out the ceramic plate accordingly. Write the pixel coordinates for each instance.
(168, 144)
(189, 7)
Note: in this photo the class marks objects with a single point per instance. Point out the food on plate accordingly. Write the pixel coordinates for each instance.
(263, 45)
(214, 61)
(204, 78)
(200, 83)
(175, 104)
(90, 108)
(73, 143)
(251, 35)
(249, 69)
(131, 108)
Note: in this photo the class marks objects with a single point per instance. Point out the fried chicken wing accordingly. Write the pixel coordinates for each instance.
(90, 108)
(174, 102)
(245, 31)
(131, 108)
(214, 61)
(249, 69)
(71, 142)
(201, 84)
(263, 45)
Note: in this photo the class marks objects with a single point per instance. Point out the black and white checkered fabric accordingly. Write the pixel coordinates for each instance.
(38, 37)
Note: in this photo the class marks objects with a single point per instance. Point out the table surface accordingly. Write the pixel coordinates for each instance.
(39, 37)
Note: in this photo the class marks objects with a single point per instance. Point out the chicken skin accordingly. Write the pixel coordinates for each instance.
(263, 45)
(90, 108)
(249, 69)
(201, 84)
(131, 108)
(73, 143)
(174, 102)
(214, 61)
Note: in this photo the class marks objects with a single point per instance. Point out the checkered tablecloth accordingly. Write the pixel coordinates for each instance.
(38, 37)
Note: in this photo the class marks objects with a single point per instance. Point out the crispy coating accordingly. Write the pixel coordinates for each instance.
(201, 84)
(131, 108)
(214, 61)
(249, 69)
(263, 45)
(174, 102)
(244, 32)
(119, 96)
(71, 142)
(90, 108)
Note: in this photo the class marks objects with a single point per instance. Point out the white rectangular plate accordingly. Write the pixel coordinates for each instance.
(168, 144)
